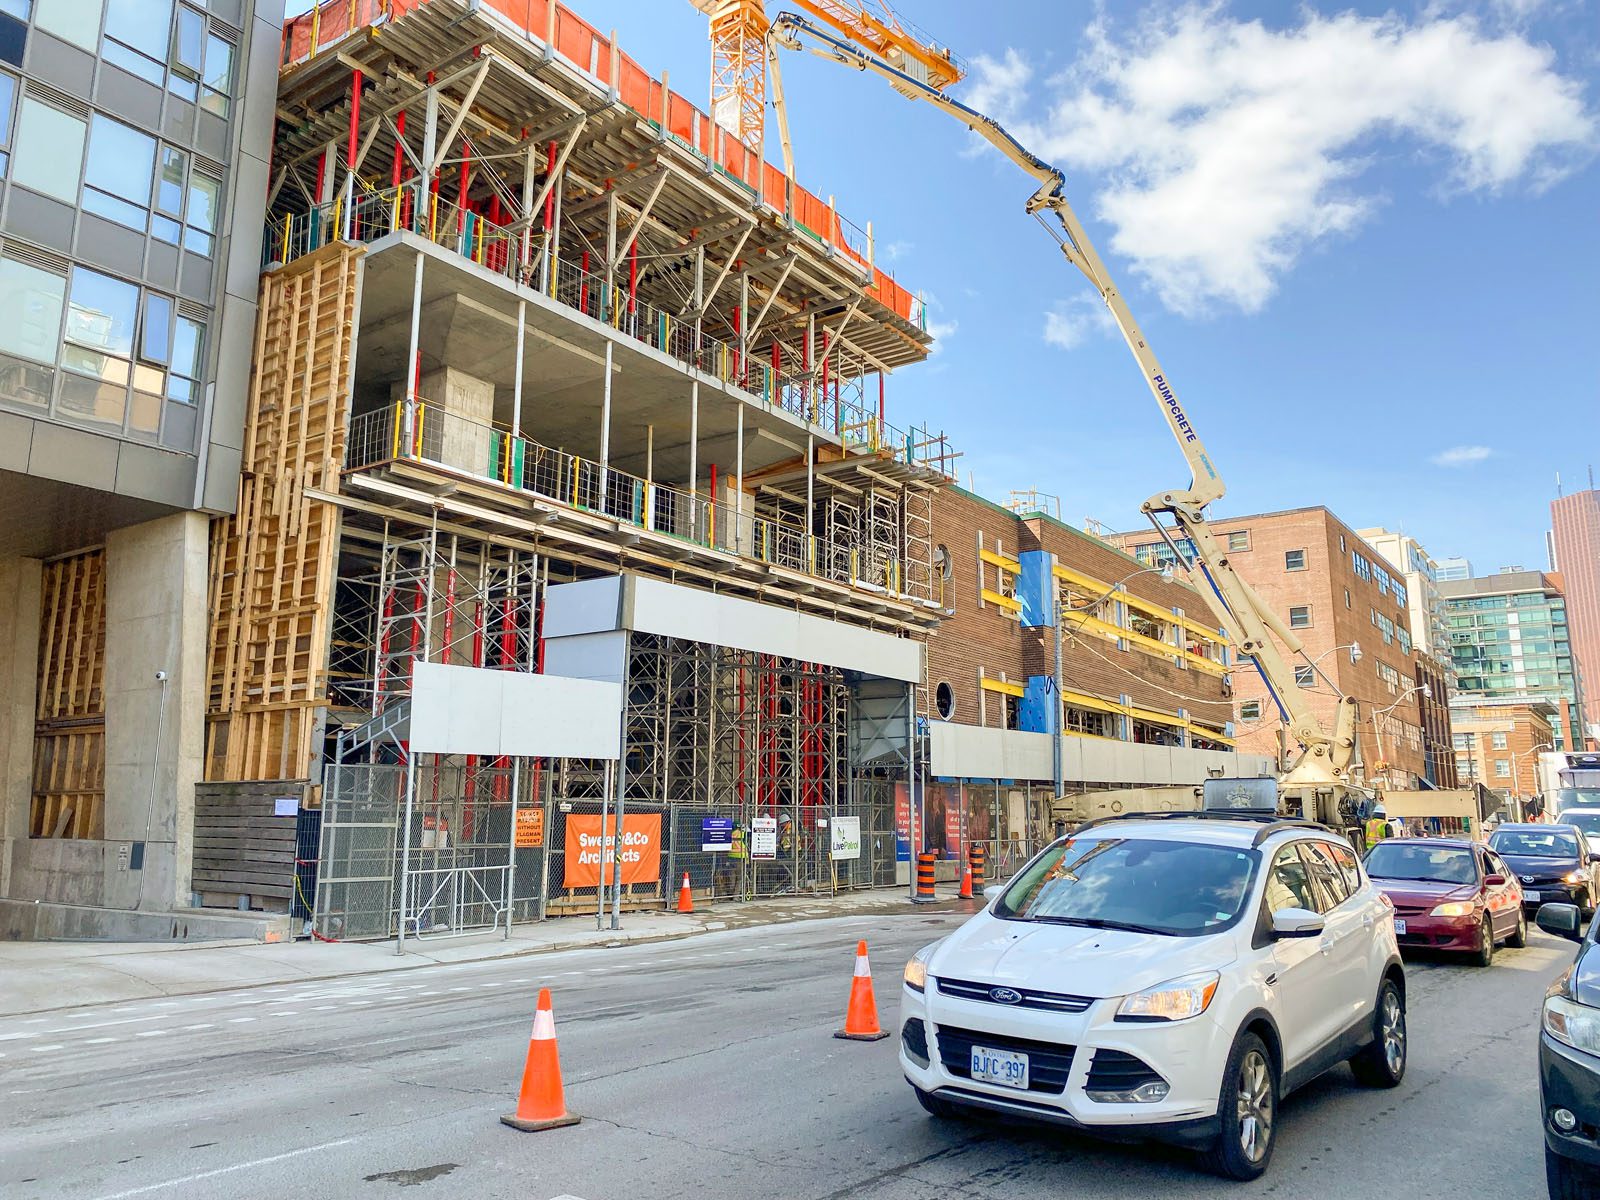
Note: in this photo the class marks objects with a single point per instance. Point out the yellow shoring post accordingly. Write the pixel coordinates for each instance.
(422, 414)
(394, 212)
(576, 463)
(399, 416)
(288, 225)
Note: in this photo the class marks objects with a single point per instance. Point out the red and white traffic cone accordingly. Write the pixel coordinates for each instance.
(685, 896)
(541, 1103)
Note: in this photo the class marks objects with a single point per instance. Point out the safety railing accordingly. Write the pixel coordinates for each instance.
(520, 254)
(425, 432)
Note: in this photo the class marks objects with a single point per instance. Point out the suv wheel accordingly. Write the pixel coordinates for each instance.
(1247, 1112)
(1519, 935)
(1485, 954)
(1568, 1180)
(1382, 1062)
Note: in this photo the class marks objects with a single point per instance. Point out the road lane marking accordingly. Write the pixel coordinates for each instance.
(99, 1041)
(244, 1166)
(203, 1025)
(12, 1037)
(150, 1033)
(45, 1049)
(238, 1020)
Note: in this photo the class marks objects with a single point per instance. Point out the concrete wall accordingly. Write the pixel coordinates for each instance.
(19, 655)
(155, 621)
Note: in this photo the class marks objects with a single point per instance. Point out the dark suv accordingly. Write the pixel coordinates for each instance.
(1553, 864)
(1569, 1064)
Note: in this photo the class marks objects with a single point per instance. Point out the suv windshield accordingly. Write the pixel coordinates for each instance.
(1145, 885)
(1535, 843)
(1437, 864)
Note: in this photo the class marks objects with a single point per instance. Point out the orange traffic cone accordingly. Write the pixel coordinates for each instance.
(861, 1018)
(541, 1105)
(966, 882)
(685, 897)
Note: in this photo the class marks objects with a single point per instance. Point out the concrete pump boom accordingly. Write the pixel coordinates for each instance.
(1325, 759)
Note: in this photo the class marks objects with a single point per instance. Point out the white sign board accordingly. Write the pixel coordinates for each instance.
(846, 837)
(469, 710)
(764, 837)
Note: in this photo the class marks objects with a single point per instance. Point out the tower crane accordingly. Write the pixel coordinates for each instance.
(741, 53)
(1318, 783)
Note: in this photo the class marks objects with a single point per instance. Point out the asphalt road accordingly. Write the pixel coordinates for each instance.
(703, 1069)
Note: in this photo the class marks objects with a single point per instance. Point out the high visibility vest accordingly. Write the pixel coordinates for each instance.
(736, 848)
(1376, 830)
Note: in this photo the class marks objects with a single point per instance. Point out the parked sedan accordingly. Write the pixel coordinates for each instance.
(1552, 862)
(1448, 894)
(1569, 1064)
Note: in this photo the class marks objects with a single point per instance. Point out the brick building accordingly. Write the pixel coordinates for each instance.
(1497, 743)
(1327, 585)
(1145, 680)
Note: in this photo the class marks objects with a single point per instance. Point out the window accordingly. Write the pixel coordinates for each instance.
(1326, 875)
(75, 21)
(200, 223)
(1305, 677)
(1249, 710)
(1294, 560)
(102, 314)
(1088, 721)
(1360, 565)
(31, 301)
(1347, 866)
(1347, 597)
(137, 37)
(1502, 769)
(118, 173)
(1390, 677)
(183, 383)
(8, 98)
(217, 75)
(174, 168)
(1404, 639)
(1400, 597)
(188, 53)
(1289, 883)
(1342, 546)
(944, 699)
(1499, 741)
(1239, 541)
(49, 150)
(1300, 616)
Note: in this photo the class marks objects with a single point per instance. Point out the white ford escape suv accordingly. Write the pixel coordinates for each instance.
(1168, 976)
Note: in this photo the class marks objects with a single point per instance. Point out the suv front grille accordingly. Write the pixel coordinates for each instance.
(1049, 1064)
(966, 989)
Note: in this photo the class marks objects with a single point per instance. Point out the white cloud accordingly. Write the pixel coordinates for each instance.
(1461, 456)
(897, 250)
(1226, 149)
(1072, 322)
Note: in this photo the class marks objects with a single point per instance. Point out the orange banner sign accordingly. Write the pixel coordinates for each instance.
(641, 849)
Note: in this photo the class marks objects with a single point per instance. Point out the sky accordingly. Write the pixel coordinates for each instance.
(1362, 240)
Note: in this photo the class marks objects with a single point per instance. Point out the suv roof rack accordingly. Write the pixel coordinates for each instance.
(1271, 823)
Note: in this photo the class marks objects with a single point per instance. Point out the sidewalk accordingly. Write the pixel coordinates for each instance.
(43, 976)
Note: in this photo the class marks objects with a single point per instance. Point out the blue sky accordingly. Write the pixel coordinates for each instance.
(1362, 239)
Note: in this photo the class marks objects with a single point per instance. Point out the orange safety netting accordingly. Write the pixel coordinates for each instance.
(583, 45)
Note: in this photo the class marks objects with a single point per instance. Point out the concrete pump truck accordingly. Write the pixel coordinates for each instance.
(1317, 784)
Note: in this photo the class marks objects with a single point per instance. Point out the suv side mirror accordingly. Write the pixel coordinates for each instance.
(1563, 920)
(993, 890)
(1296, 923)
(1593, 857)
(1494, 881)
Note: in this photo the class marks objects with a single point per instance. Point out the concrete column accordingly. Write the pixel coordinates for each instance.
(19, 672)
(458, 418)
(156, 576)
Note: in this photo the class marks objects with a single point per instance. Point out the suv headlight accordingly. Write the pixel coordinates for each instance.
(1572, 877)
(1576, 1024)
(1175, 1000)
(1455, 908)
(916, 973)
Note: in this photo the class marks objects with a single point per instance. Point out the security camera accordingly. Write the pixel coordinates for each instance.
(161, 676)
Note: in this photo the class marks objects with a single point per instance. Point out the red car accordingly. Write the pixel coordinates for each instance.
(1449, 894)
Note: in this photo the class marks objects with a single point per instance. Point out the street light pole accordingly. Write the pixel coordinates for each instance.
(1377, 731)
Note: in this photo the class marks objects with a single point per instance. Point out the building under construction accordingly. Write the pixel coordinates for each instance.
(530, 322)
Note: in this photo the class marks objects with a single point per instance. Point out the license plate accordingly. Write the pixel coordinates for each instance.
(1399, 927)
(1004, 1067)
(1530, 897)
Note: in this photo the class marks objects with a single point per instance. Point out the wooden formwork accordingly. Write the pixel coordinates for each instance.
(69, 741)
(273, 561)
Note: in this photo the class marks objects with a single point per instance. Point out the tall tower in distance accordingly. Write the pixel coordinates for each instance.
(1575, 537)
